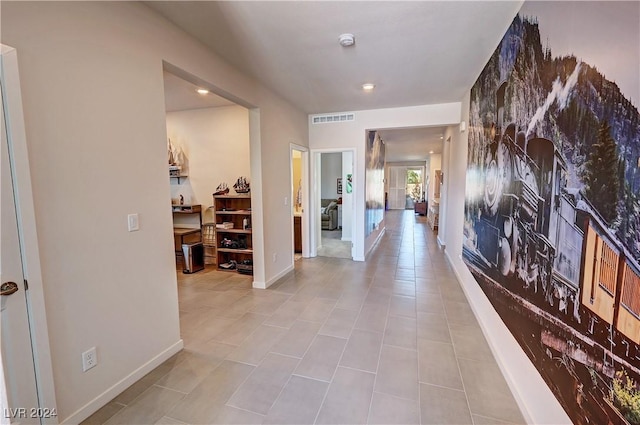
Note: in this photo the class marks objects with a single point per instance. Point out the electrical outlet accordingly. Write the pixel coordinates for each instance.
(89, 359)
(275, 257)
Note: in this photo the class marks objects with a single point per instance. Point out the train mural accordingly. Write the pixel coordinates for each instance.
(547, 240)
(564, 277)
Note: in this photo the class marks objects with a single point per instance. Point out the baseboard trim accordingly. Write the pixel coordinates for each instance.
(90, 408)
(373, 245)
(441, 242)
(265, 285)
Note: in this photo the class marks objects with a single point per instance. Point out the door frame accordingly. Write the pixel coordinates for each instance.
(27, 232)
(315, 221)
(305, 198)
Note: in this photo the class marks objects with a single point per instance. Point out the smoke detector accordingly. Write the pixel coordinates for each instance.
(346, 40)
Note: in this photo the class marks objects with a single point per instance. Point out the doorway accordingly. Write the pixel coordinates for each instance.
(299, 159)
(208, 148)
(406, 186)
(26, 378)
(334, 197)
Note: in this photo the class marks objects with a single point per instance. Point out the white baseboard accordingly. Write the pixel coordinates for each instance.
(265, 285)
(373, 245)
(441, 242)
(90, 408)
(534, 398)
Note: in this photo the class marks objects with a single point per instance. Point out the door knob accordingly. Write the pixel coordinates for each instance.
(8, 288)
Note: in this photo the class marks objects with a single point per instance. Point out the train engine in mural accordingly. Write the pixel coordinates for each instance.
(545, 241)
(526, 228)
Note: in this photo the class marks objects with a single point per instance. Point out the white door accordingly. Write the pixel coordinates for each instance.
(397, 188)
(18, 374)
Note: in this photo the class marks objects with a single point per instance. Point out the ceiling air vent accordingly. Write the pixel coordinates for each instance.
(323, 119)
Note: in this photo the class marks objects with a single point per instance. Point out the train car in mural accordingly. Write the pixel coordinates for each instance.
(544, 241)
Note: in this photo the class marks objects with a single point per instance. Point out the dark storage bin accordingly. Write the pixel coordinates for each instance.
(193, 257)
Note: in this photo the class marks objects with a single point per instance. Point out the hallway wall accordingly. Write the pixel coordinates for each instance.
(92, 87)
(536, 401)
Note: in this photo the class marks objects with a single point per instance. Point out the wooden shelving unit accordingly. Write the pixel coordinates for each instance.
(233, 209)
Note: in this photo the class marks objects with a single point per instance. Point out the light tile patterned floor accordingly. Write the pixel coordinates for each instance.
(388, 341)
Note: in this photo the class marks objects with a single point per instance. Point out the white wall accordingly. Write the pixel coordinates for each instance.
(535, 399)
(92, 87)
(331, 172)
(435, 163)
(347, 198)
(444, 189)
(351, 134)
(215, 142)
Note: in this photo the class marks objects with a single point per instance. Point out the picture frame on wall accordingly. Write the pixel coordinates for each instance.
(339, 186)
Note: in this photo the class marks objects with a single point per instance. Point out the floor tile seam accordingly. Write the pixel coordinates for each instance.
(279, 393)
(226, 403)
(458, 390)
(375, 378)
(502, 421)
(400, 347)
(396, 396)
(174, 419)
(207, 341)
(455, 353)
(324, 398)
(133, 400)
(276, 326)
(416, 400)
(312, 378)
(243, 381)
(143, 392)
(239, 343)
(400, 316)
(164, 387)
(442, 386)
(332, 336)
(243, 409)
(428, 257)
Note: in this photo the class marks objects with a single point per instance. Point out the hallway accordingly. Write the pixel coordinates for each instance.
(390, 340)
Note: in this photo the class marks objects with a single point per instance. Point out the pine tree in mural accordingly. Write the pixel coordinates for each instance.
(601, 177)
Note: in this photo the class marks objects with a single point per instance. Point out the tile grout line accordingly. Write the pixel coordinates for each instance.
(342, 354)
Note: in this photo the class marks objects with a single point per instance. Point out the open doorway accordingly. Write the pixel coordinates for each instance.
(335, 203)
(202, 162)
(300, 200)
(406, 186)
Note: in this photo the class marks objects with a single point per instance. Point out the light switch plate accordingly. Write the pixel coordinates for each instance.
(132, 222)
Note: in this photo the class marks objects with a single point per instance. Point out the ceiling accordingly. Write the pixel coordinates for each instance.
(181, 95)
(416, 52)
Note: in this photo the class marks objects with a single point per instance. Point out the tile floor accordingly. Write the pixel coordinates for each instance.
(388, 341)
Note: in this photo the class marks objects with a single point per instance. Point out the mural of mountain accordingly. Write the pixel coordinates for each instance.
(552, 212)
(566, 101)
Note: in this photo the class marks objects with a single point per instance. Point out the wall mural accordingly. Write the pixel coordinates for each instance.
(552, 211)
(374, 174)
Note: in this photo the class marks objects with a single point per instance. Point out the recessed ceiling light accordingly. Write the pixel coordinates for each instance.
(203, 91)
(368, 86)
(346, 40)
(430, 151)
(441, 137)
